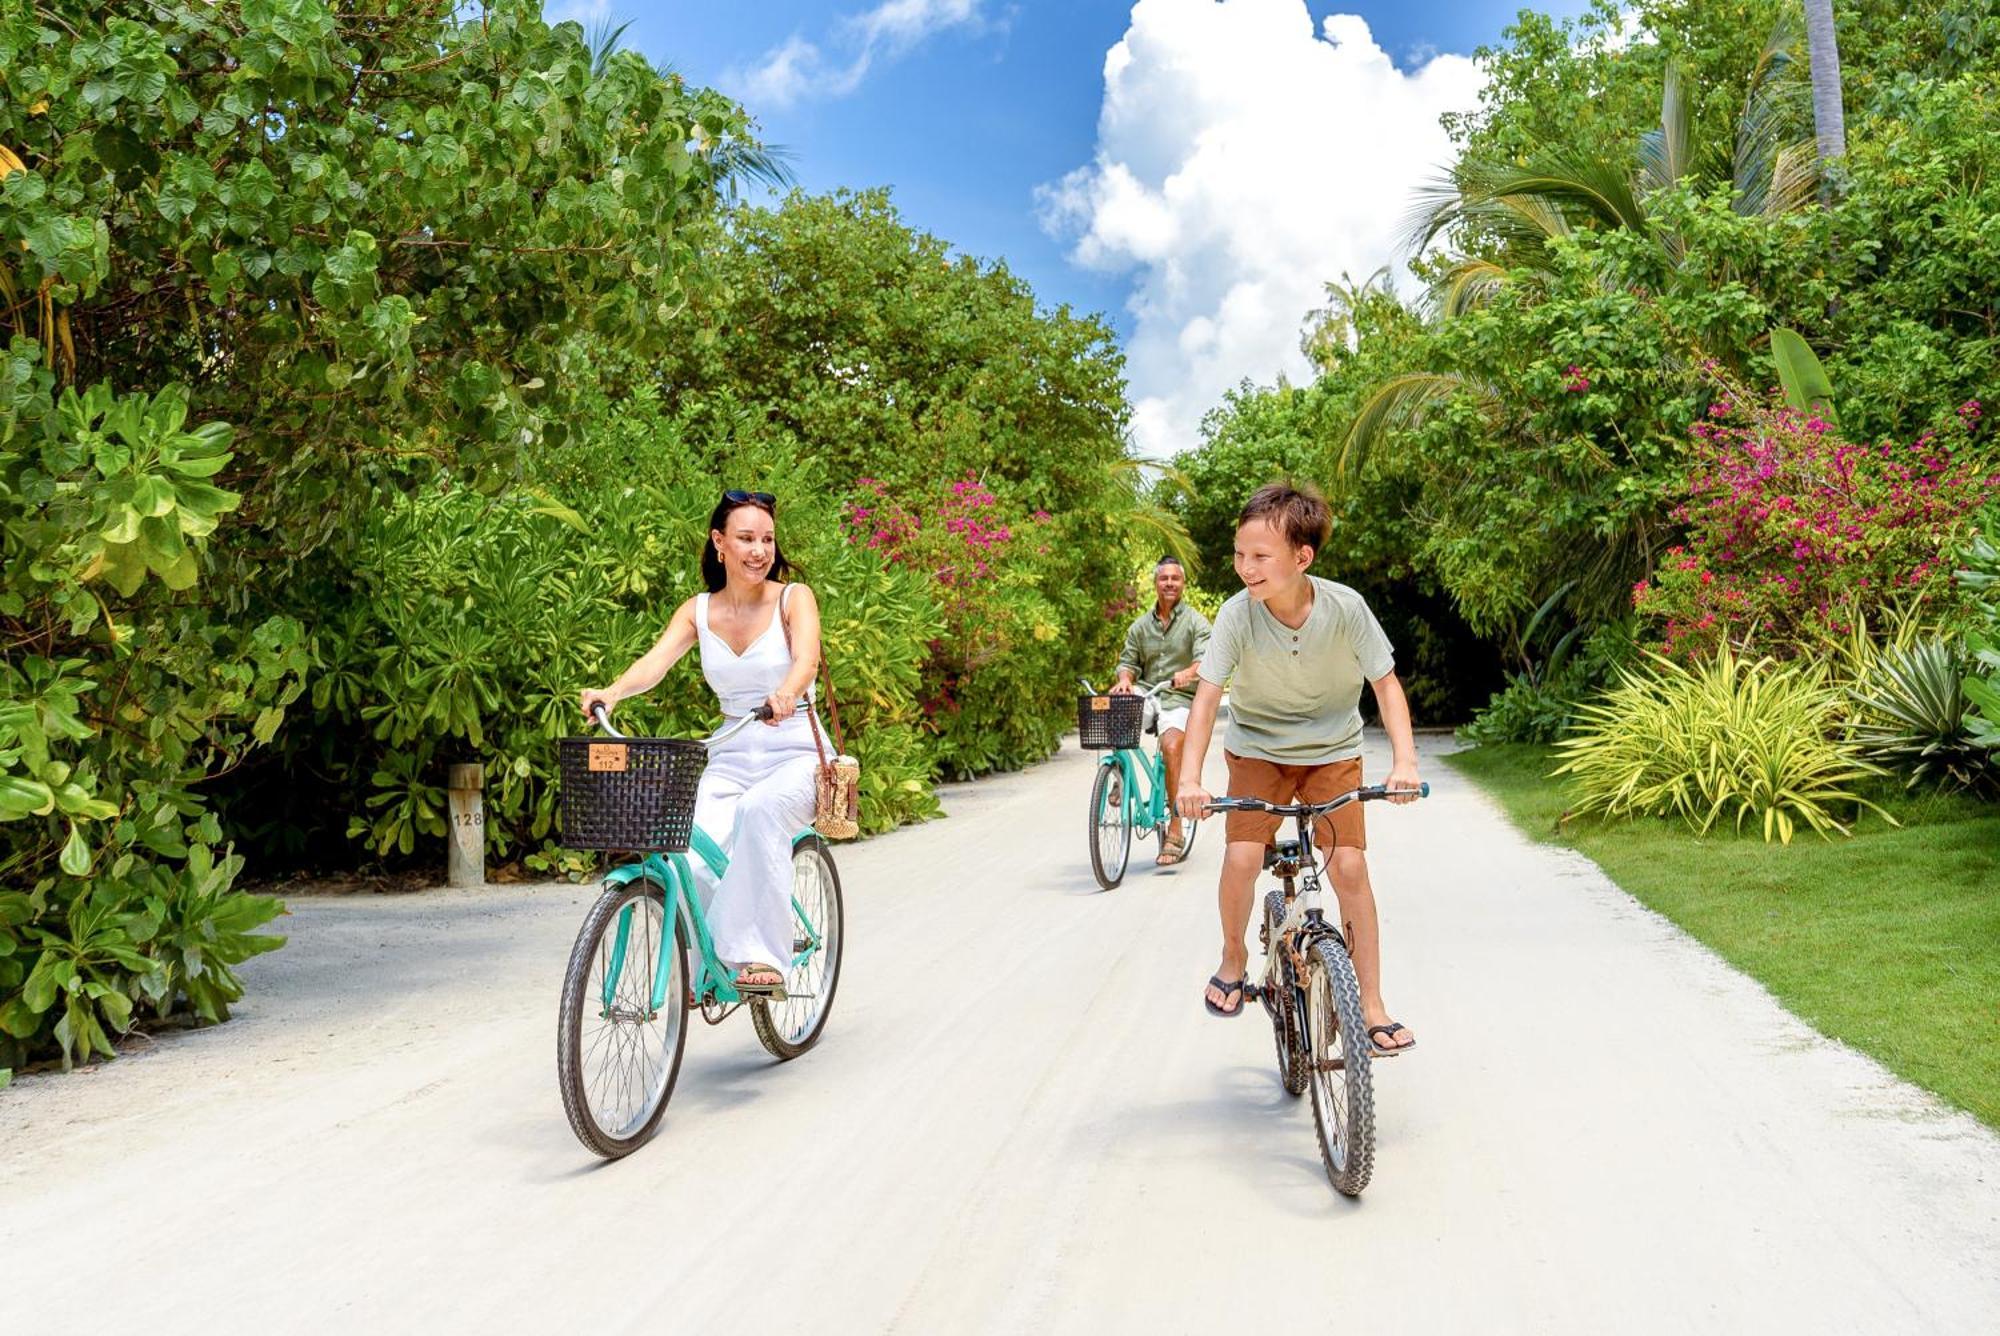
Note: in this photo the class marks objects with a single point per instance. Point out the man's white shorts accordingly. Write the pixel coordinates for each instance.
(1175, 718)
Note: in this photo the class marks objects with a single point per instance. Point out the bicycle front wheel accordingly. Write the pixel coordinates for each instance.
(1188, 831)
(1282, 1001)
(791, 1026)
(617, 1055)
(1110, 828)
(1337, 1061)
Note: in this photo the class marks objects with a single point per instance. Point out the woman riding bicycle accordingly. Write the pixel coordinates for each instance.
(759, 640)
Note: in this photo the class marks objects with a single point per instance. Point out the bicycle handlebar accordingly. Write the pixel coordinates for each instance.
(1366, 794)
(1141, 689)
(756, 716)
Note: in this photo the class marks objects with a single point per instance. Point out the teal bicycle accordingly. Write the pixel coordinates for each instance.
(1130, 791)
(631, 983)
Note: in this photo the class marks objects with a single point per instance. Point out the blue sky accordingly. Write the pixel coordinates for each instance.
(993, 125)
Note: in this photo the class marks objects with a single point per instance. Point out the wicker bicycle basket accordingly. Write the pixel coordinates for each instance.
(633, 794)
(1104, 723)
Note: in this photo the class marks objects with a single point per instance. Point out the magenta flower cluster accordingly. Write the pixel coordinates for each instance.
(1792, 529)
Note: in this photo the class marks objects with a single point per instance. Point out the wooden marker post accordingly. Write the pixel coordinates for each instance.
(465, 864)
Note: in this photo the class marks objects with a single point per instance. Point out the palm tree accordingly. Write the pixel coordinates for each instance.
(1828, 119)
(1516, 212)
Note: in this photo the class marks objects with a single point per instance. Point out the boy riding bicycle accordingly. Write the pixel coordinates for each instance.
(1294, 650)
(1165, 645)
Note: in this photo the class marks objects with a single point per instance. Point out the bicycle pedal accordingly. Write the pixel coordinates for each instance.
(1253, 992)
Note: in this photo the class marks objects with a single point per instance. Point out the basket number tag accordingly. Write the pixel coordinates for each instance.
(1099, 704)
(607, 756)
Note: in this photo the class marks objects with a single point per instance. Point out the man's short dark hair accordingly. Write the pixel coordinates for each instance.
(1299, 513)
(1169, 560)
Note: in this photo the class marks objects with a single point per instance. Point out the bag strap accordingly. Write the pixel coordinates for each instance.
(812, 716)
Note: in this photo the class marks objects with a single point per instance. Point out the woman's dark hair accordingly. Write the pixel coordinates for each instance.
(712, 574)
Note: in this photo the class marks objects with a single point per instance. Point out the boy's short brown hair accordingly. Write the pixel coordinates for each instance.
(1299, 513)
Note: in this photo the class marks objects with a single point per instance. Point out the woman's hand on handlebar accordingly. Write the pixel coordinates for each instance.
(594, 697)
(782, 704)
(1192, 801)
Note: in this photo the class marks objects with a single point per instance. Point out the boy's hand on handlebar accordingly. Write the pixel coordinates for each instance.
(1403, 785)
(1192, 800)
(593, 697)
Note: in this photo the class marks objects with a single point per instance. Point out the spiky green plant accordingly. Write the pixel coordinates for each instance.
(1911, 717)
(1755, 738)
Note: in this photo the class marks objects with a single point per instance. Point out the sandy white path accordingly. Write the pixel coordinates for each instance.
(1021, 1120)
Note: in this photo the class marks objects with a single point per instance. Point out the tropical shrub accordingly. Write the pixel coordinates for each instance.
(1727, 738)
(121, 695)
(1980, 579)
(1911, 715)
(472, 622)
(998, 682)
(1792, 531)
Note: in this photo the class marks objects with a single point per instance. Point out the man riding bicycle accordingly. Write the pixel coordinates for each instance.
(1165, 644)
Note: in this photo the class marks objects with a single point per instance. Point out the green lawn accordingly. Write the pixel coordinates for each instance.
(1889, 941)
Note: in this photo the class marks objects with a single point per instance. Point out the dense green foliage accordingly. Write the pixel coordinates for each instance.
(488, 341)
(119, 697)
(1628, 220)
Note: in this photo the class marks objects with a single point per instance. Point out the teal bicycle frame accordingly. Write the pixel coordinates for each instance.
(674, 875)
(1149, 812)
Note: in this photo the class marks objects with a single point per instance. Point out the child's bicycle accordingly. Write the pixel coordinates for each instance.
(1314, 1000)
(628, 988)
(1130, 791)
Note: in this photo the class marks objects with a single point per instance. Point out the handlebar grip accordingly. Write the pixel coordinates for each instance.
(761, 713)
(1424, 789)
(600, 713)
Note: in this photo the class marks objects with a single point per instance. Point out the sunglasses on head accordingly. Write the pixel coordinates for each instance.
(736, 497)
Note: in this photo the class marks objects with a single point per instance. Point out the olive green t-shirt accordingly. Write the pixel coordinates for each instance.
(1154, 653)
(1295, 695)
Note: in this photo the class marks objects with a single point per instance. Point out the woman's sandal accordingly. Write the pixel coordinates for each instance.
(1226, 987)
(1387, 1032)
(774, 990)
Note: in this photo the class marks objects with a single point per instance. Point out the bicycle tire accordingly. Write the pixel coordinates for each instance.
(1281, 1002)
(579, 1002)
(786, 1029)
(1343, 1096)
(1108, 790)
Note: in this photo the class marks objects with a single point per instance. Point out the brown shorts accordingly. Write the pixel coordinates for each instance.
(1274, 783)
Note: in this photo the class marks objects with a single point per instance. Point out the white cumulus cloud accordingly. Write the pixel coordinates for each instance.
(1244, 158)
(799, 68)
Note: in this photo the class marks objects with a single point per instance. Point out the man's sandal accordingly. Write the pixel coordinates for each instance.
(1225, 987)
(1388, 1032)
(1172, 852)
(774, 990)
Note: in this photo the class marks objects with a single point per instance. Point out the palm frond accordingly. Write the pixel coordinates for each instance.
(1666, 155)
(1397, 403)
(1467, 286)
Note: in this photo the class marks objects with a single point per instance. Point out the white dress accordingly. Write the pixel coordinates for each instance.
(756, 793)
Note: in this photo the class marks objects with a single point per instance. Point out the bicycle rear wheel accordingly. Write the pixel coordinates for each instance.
(1110, 828)
(616, 1057)
(1282, 1001)
(1337, 1066)
(789, 1027)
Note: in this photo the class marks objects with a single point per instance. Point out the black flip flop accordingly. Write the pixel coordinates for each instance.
(1386, 1031)
(1227, 986)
